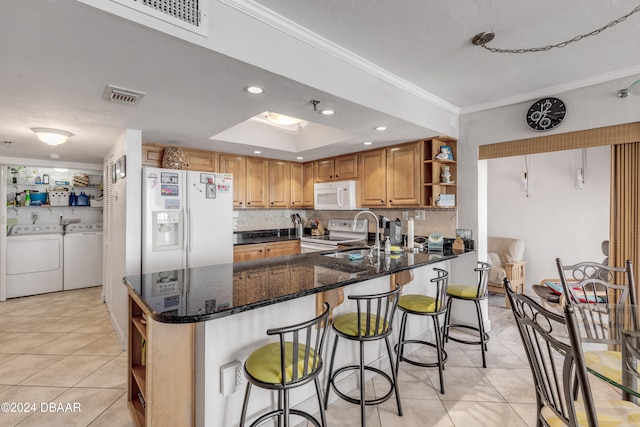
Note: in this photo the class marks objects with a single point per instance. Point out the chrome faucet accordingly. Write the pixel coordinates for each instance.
(376, 246)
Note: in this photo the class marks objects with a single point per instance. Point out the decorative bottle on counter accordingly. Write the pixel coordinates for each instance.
(45, 179)
(27, 198)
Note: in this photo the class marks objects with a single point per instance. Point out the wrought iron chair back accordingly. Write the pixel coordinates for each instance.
(592, 286)
(555, 358)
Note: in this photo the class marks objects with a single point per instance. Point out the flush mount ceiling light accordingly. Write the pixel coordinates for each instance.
(327, 112)
(281, 119)
(254, 90)
(52, 137)
(633, 89)
(380, 128)
(481, 39)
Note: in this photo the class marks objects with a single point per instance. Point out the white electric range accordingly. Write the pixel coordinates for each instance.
(340, 232)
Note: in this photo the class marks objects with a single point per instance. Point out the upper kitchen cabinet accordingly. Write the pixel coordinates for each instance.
(336, 169)
(257, 185)
(297, 185)
(440, 172)
(390, 177)
(403, 175)
(235, 165)
(308, 181)
(196, 160)
(152, 155)
(372, 187)
(199, 160)
(280, 181)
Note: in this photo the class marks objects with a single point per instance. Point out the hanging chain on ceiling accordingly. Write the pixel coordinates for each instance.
(482, 39)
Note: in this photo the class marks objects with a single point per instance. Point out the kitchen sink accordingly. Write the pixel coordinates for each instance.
(349, 253)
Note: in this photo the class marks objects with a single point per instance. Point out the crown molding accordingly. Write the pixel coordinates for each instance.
(279, 22)
(552, 90)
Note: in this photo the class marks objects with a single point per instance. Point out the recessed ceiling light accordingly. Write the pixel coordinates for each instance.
(327, 112)
(368, 143)
(254, 90)
(299, 158)
(257, 152)
(380, 128)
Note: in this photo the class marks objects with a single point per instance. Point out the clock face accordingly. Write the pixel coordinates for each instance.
(546, 114)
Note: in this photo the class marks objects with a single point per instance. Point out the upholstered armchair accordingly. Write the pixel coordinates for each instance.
(506, 256)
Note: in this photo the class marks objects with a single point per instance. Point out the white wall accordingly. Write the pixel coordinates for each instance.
(122, 244)
(587, 108)
(556, 219)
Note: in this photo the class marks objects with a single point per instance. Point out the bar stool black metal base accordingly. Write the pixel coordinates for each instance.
(473, 328)
(280, 412)
(353, 399)
(404, 358)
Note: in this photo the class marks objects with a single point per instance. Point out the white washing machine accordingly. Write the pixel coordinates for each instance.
(34, 260)
(82, 255)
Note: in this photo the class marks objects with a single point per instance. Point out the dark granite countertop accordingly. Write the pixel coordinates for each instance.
(205, 293)
(264, 236)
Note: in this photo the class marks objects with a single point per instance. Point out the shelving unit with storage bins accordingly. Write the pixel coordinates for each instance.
(433, 186)
(161, 370)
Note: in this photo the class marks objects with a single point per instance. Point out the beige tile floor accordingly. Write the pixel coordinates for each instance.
(60, 348)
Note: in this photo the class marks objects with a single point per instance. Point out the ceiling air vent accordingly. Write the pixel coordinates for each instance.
(119, 95)
(184, 10)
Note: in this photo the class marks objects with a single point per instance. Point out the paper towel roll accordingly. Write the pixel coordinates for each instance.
(410, 233)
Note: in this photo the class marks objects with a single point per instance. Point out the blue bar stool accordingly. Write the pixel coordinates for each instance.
(264, 368)
(475, 293)
(371, 322)
(430, 306)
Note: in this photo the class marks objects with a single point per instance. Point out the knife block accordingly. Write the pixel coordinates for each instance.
(318, 231)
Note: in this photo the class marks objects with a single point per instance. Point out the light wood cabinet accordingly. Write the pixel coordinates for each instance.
(372, 187)
(337, 168)
(297, 185)
(257, 185)
(152, 370)
(390, 177)
(307, 190)
(276, 249)
(265, 250)
(235, 165)
(152, 155)
(433, 186)
(200, 160)
(403, 175)
(248, 252)
(279, 183)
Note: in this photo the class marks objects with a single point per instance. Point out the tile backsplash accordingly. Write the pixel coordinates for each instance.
(441, 221)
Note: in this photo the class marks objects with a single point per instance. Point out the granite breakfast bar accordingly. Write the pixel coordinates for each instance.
(187, 324)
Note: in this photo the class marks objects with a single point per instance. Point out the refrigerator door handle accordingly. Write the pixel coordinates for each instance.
(186, 232)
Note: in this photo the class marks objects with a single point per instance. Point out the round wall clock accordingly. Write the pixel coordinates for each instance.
(545, 114)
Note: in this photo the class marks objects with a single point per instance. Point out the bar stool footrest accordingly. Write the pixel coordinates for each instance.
(280, 412)
(423, 364)
(357, 401)
(460, 340)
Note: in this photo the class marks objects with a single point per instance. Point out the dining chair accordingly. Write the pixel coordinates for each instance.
(593, 286)
(554, 351)
(292, 361)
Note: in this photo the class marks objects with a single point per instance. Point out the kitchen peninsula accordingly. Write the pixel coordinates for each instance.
(186, 324)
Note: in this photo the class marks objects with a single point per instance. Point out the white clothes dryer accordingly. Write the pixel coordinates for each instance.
(82, 255)
(34, 259)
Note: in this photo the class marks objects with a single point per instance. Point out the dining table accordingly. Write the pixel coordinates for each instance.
(610, 339)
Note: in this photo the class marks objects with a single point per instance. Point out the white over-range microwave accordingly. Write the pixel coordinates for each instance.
(334, 196)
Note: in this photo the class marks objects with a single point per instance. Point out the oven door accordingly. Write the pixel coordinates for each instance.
(307, 247)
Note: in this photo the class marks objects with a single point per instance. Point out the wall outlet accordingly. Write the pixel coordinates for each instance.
(230, 377)
(287, 213)
(420, 215)
(34, 216)
(405, 215)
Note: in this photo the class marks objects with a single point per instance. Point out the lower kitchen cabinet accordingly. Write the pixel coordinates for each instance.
(265, 250)
(161, 383)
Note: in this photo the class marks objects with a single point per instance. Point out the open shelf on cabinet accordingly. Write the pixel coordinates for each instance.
(434, 185)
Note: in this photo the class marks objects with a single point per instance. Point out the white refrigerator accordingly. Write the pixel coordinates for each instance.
(187, 219)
